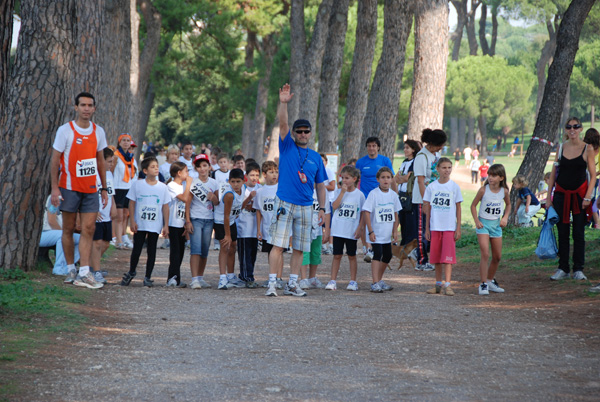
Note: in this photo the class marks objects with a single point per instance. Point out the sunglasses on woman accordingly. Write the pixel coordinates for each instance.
(575, 126)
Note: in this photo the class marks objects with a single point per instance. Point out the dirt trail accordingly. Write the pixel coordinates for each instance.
(538, 341)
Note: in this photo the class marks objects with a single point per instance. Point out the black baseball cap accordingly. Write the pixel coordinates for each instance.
(301, 123)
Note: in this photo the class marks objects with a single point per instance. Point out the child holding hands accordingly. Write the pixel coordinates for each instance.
(441, 203)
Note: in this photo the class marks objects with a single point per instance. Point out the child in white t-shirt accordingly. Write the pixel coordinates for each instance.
(149, 212)
(312, 258)
(180, 197)
(199, 219)
(441, 203)
(381, 216)
(172, 156)
(264, 203)
(346, 221)
(231, 198)
(103, 232)
(247, 244)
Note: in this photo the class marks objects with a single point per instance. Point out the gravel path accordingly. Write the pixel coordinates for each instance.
(179, 344)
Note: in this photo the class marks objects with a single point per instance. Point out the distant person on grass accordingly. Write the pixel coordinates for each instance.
(77, 159)
(300, 169)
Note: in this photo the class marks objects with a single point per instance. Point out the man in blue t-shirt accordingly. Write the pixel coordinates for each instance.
(369, 165)
(300, 169)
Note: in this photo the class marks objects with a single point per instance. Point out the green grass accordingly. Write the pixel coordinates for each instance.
(33, 309)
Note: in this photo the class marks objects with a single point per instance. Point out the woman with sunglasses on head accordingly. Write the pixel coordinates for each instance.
(573, 189)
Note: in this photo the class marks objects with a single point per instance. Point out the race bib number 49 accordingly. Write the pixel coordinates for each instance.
(86, 167)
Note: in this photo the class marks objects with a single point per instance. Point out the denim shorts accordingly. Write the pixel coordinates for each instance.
(491, 227)
(200, 239)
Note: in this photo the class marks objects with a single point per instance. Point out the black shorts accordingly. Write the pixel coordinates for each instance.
(103, 231)
(120, 198)
(266, 247)
(382, 252)
(220, 231)
(75, 201)
(338, 246)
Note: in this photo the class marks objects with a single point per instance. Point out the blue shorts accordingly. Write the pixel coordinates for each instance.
(200, 239)
(490, 227)
(75, 201)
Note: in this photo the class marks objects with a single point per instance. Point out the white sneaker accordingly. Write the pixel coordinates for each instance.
(595, 289)
(196, 285)
(271, 291)
(113, 242)
(304, 284)
(128, 243)
(99, 278)
(171, 283)
(559, 274)
(413, 255)
(204, 284)
(364, 250)
(235, 283)
(352, 286)
(71, 276)
(483, 289)
(87, 281)
(428, 267)
(579, 276)
(494, 288)
(222, 284)
(293, 290)
(384, 286)
(325, 250)
(369, 255)
(217, 245)
(315, 283)
(280, 283)
(331, 285)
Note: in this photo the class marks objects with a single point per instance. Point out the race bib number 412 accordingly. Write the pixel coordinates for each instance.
(149, 214)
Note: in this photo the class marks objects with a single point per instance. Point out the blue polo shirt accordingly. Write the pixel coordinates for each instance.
(291, 156)
(368, 171)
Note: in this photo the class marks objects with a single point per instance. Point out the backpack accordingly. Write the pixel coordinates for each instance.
(406, 196)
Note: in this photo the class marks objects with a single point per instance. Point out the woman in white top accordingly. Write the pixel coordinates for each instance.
(126, 172)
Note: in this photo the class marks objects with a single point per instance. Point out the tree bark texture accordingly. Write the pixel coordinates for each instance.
(544, 61)
(311, 84)
(486, 49)
(248, 121)
(360, 78)
(269, 48)
(471, 37)
(112, 91)
(297, 57)
(453, 133)
(559, 73)
(462, 133)
(461, 20)
(142, 62)
(6, 28)
(431, 53)
(33, 106)
(330, 77)
(381, 119)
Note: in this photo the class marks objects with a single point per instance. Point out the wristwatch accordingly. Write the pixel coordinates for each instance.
(322, 209)
(103, 189)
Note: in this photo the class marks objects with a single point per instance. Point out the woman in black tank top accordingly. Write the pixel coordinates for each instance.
(573, 187)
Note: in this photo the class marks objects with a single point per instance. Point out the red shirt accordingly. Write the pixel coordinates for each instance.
(483, 169)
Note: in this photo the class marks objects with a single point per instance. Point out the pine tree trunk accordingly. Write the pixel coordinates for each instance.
(431, 53)
(34, 104)
(142, 63)
(592, 115)
(381, 119)
(471, 132)
(269, 47)
(567, 43)
(471, 36)
(453, 133)
(461, 20)
(247, 134)
(311, 85)
(113, 96)
(6, 28)
(360, 78)
(330, 78)
(297, 57)
(485, 48)
(462, 133)
(544, 61)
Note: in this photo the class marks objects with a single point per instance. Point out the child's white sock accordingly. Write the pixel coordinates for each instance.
(447, 284)
(196, 278)
(230, 276)
(293, 278)
(221, 277)
(71, 267)
(272, 277)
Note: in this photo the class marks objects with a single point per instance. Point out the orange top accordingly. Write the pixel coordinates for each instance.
(78, 165)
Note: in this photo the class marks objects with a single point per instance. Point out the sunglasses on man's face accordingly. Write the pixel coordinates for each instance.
(575, 126)
(302, 131)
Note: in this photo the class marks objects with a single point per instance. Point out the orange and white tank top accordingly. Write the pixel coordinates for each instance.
(78, 163)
